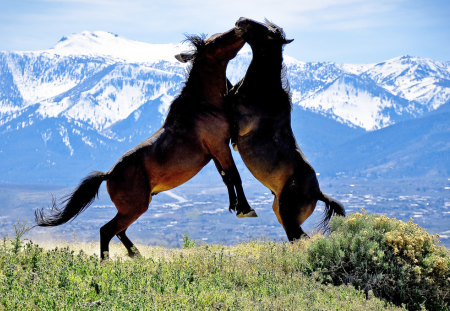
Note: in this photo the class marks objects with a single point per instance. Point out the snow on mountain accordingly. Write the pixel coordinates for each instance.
(10, 98)
(114, 94)
(106, 44)
(415, 79)
(39, 77)
(307, 79)
(359, 102)
(237, 67)
(97, 78)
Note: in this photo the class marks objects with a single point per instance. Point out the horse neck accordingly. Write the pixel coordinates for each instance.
(207, 82)
(264, 80)
(265, 69)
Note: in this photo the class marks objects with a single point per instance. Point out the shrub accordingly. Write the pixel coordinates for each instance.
(395, 260)
(188, 242)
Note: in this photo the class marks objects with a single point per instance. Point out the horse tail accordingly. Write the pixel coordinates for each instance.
(75, 203)
(332, 207)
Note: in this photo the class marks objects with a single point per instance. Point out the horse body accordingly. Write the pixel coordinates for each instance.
(195, 131)
(261, 130)
(264, 143)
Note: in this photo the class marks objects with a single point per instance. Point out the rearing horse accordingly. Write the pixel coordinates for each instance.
(195, 131)
(261, 130)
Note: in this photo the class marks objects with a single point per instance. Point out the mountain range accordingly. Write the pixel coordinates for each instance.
(80, 105)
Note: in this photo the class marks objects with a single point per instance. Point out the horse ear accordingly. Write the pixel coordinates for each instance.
(184, 57)
(287, 41)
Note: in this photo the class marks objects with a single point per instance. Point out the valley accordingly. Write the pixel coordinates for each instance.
(199, 209)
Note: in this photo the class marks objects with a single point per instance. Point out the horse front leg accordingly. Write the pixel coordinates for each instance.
(230, 175)
(243, 209)
(227, 181)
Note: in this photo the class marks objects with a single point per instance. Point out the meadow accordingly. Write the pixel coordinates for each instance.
(367, 262)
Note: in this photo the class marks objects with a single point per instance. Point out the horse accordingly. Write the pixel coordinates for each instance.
(260, 115)
(195, 131)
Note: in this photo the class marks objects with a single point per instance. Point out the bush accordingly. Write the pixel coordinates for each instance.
(395, 260)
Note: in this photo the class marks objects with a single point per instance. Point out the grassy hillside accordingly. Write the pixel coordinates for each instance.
(314, 274)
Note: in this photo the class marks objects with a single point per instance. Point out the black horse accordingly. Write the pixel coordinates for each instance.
(261, 131)
(195, 131)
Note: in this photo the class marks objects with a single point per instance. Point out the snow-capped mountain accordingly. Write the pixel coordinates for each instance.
(414, 79)
(94, 91)
(109, 45)
(101, 78)
(371, 96)
(97, 78)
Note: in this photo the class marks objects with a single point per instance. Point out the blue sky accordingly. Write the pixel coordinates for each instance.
(344, 31)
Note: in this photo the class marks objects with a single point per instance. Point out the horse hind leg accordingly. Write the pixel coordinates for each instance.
(131, 248)
(107, 232)
(291, 219)
(117, 226)
(294, 208)
(130, 205)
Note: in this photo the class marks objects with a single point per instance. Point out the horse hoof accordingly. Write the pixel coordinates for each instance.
(233, 207)
(251, 213)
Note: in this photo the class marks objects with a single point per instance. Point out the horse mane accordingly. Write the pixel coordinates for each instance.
(185, 103)
(197, 42)
(284, 80)
(285, 84)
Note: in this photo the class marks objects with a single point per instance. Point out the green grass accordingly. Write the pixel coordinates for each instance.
(257, 275)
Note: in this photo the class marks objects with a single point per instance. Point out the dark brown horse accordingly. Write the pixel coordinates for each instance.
(261, 130)
(195, 131)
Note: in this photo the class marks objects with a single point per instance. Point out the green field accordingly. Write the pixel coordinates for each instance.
(322, 273)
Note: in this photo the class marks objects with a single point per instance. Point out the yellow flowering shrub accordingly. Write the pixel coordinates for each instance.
(396, 260)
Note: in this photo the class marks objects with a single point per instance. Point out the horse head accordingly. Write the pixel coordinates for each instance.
(220, 47)
(261, 35)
